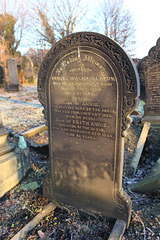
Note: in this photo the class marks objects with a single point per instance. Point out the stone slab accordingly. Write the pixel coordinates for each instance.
(3, 135)
(154, 120)
(151, 182)
(118, 230)
(6, 148)
(3, 138)
(148, 185)
(139, 148)
(13, 167)
(155, 171)
(33, 131)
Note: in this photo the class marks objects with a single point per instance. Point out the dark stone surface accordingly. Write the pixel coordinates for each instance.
(142, 81)
(88, 86)
(1, 76)
(149, 72)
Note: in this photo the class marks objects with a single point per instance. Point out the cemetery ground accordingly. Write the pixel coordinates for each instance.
(22, 111)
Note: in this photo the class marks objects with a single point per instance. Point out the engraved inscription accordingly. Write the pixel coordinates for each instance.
(77, 59)
(83, 120)
(87, 86)
(82, 76)
(153, 90)
(76, 82)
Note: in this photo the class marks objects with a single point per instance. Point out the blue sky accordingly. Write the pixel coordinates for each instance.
(146, 16)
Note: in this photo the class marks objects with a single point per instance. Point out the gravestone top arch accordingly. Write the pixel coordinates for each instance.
(149, 72)
(88, 86)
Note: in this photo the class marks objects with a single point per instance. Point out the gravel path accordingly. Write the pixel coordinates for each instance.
(22, 110)
(21, 102)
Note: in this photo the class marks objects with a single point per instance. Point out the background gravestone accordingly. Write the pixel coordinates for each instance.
(142, 82)
(28, 66)
(88, 86)
(149, 71)
(13, 75)
(1, 76)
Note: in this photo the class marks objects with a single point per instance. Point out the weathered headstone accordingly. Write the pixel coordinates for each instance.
(28, 66)
(13, 75)
(88, 86)
(1, 76)
(142, 82)
(149, 71)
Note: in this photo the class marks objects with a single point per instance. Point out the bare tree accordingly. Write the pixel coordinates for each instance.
(4, 55)
(116, 22)
(7, 23)
(56, 19)
(13, 23)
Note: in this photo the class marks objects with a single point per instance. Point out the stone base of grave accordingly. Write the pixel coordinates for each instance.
(5, 147)
(3, 135)
(13, 167)
(13, 88)
(119, 208)
(154, 120)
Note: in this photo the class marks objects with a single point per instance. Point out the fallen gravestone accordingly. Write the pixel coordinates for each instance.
(149, 71)
(13, 75)
(88, 87)
(151, 182)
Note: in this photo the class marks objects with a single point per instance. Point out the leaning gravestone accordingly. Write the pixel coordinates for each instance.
(13, 75)
(88, 87)
(149, 71)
